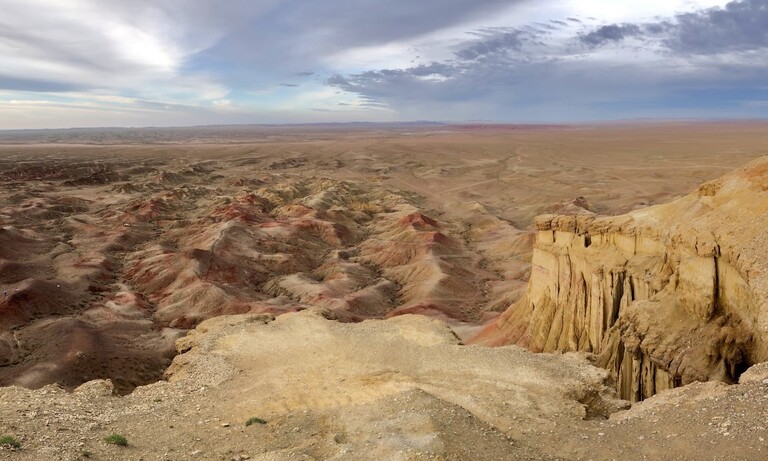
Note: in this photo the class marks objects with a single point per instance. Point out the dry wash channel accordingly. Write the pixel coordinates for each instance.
(663, 296)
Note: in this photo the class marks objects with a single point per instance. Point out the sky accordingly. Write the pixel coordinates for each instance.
(89, 63)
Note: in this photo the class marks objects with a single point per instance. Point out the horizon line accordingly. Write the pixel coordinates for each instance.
(648, 120)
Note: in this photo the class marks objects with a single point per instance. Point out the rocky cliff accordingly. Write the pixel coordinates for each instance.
(662, 296)
(302, 387)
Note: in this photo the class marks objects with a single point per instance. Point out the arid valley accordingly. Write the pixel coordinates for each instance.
(386, 291)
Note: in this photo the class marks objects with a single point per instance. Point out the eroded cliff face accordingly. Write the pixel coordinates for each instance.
(663, 296)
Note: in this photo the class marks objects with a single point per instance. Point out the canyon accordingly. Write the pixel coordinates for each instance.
(345, 286)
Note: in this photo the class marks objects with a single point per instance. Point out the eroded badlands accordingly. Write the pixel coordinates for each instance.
(327, 283)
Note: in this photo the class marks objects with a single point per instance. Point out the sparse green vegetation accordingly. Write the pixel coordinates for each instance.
(117, 439)
(8, 441)
(255, 420)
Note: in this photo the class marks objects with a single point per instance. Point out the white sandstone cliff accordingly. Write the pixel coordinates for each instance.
(663, 296)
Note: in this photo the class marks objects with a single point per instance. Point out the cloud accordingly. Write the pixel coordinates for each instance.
(127, 48)
(366, 22)
(295, 34)
(740, 26)
(32, 84)
(70, 37)
(610, 33)
(492, 42)
(502, 59)
(529, 70)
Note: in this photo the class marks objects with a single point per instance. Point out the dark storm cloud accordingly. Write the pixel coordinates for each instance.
(376, 86)
(436, 68)
(496, 42)
(610, 33)
(657, 28)
(739, 26)
(493, 60)
(441, 82)
(492, 45)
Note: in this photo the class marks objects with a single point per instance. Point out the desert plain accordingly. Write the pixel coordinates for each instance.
(371, 292)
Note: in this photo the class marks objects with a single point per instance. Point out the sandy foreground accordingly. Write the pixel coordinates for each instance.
(270, 263)
(396, 389)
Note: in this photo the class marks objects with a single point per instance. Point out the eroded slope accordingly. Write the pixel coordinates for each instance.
(401, 388)
(115, 271)
(666, 295)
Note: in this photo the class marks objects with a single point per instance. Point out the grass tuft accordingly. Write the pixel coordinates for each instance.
(8, 441)
(255, 420)
(117, 439)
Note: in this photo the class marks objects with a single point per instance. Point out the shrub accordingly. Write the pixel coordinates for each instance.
(255, 420)
(8, 441)
(117, 439)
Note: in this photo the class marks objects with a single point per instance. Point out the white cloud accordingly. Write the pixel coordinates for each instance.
(96, 46)
(440, 44)
(203, 61)
(143, 49)
(631, 10)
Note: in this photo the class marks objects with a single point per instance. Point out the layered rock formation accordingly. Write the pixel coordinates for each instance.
(115, 272)
(396, 389)
(663, 296)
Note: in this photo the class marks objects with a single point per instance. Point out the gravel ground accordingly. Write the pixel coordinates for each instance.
(400, 389)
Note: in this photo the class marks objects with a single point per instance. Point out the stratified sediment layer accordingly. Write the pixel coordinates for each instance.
(665, 296)
(115, 271)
